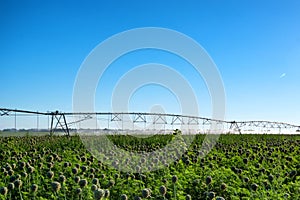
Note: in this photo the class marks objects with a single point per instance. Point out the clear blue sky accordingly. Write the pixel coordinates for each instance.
(255, 45)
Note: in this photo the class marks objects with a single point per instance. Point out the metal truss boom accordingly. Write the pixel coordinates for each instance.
(59, 121)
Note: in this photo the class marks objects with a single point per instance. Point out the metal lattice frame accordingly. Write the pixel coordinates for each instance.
(59, 121)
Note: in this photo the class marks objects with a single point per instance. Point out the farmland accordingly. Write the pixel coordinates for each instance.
(237, 167)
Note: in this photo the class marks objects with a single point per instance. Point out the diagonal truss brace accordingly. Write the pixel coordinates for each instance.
(4, 112)
(193, 121)
(159, 119)
(115, 117)
(177, 120)
(139, 118)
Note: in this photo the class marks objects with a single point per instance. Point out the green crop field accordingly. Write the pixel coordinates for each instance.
(237, 167)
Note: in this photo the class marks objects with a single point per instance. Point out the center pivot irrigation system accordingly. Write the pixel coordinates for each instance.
(59, 121)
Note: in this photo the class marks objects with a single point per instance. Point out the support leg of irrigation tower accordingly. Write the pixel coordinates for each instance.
(15, 121)
(61, 122)
(234, 126)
